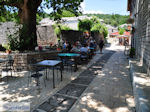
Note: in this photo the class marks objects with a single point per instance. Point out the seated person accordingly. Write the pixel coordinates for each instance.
(75, 49)
(84, 48)
(78, 45)
(69, 47)
(84, 51)
(95, 46)
(65, 45)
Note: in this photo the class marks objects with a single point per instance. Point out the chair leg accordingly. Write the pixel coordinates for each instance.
(29, 80)
(44, 81)
(37, 82)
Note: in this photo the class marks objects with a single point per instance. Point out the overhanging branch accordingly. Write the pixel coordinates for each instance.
(38, 3)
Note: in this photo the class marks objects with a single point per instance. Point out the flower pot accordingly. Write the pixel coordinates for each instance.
(8, 51)
(58, 49)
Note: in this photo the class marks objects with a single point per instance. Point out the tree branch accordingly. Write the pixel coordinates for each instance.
(38, 3)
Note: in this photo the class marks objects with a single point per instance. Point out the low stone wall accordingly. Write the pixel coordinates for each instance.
(73, 36)
(21, 60)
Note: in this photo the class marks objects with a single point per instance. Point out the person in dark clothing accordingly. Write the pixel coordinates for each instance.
(69, 47)
(101, 45)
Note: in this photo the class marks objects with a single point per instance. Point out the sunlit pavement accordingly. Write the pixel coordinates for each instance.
(111, 90)
(103, 87)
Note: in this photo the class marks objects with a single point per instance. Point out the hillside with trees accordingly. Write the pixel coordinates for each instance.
(114, 19)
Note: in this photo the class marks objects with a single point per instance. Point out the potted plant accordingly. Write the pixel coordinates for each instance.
(132, 52)
(7, 47)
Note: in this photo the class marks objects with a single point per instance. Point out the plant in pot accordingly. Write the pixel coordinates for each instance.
(7, 47)
(132, 52)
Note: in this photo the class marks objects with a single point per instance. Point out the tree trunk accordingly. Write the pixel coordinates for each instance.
(28, 37)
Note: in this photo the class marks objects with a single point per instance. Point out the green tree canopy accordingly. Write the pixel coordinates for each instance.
(121, 31)
(100, 28)
(85, 25)
(27, 10)
(112, 19)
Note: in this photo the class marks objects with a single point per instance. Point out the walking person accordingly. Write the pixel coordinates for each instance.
(101, 45)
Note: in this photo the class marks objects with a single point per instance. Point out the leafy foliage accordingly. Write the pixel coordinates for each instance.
(27, 10)
(93, 24)
(2, 48)
(58, 27)
(67, 13)
(85, 25)
(101, 29)
(132, 52)
(121, 31)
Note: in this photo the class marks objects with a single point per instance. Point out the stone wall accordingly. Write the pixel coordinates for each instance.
(73, 36)
(142, 31)
(21, 60)
(5, 28)
(45, 34)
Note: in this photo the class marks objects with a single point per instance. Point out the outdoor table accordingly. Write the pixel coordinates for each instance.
(53, 64)
(72, 55)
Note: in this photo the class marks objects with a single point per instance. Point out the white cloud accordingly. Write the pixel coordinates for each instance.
(83, 5)
(93, 12)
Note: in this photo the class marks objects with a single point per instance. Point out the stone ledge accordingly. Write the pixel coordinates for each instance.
(141, 86)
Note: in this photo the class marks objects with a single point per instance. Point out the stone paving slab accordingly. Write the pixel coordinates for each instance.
(83, 80)
(75, 88)
(88, 73)
(56, 103)
(111, 90)
(72, 90)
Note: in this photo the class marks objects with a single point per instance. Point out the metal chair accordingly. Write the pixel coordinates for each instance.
(8, 66)
(68, 62)
(84, 56)
(34, 72)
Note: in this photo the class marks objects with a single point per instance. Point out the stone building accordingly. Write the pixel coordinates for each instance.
(140, 18)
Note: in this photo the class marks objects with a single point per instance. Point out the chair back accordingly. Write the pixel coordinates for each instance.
(84, 55)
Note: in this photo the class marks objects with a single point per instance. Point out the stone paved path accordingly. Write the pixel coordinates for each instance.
(64, 99)
(104, 87)
(111, 90)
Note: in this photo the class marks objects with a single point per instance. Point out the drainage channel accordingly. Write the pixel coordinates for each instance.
(64, 99)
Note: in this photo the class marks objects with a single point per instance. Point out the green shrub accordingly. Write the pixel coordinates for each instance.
(132, 52)
(121, 31)
(58, 27)
(2, 48)
(101, 29)
(6, 46)
(85, 25)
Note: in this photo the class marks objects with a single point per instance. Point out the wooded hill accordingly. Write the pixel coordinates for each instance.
(114, 19)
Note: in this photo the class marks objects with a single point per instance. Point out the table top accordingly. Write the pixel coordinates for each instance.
(48, 63)
(91, 48)
(69, 54)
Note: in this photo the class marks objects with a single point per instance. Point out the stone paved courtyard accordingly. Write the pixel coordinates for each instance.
(101, 86)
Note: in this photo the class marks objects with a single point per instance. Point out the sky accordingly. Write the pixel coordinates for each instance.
(105, 6)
